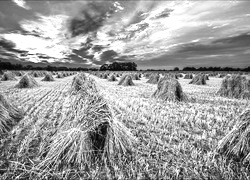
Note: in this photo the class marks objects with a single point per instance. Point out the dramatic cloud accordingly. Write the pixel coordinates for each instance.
(91, 18)
(109, 55)
(157, 34)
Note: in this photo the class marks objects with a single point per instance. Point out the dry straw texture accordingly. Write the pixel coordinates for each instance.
(198, 79)
(60, 75)
(78, 82)
(88, 136)
(236, 144)
(48, 77)
(136, 77)
(153, 79)
(126, 80)
(188, 76)
(27, 81)
(169, 89)
(8, 76)
(235, 86)
(9, 115)
(112, 78)
(37, 73)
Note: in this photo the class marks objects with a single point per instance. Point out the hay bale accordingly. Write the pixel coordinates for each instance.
(199, 79)
(60, 75)
(18, 73)
(136, 77)
(112, 78)
(235, 86)
(82, 82)
(188, 76)
(147, 75)
(153, 79)
(126, 80)
(34, 74)
(180, 75)
(77, 82)
(48, 77)
(92, 136)
(27, 82)
(169, 89)
(104, 76)
(10, 115)
(235, 145)
(65, 74)
(8, 76)
(171, 75)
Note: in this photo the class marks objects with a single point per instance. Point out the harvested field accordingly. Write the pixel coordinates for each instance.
(174, 140)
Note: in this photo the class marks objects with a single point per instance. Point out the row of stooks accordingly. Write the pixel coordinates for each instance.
(88, 136)
(28, 80)
(168, 88)
(11, 75)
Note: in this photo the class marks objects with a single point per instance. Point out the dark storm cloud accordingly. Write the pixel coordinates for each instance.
(91, 18)
(11, 15)
(219, 52)
(163, 14)
(44, 61)
(222, 45)
(44, 56)
(126, 58)
(109, 55)
(8, 55)
(98, 48)
(9, 46)
(32, 33)
(240, 40)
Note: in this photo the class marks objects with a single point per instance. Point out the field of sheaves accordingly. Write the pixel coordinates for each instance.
(175, 140)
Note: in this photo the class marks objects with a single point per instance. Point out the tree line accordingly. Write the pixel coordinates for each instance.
(216, 69)
(247, 69)
(10, 66)
(118, 66)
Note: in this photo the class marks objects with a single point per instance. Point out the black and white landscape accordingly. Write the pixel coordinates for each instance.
(124, 89)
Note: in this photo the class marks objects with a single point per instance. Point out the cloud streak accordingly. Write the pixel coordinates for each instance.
(22, 4)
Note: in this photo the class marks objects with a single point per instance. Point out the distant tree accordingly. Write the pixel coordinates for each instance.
(176, 69)
(116, 66)
(104, 67)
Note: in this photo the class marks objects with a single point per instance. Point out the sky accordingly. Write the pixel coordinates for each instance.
(153, 34)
